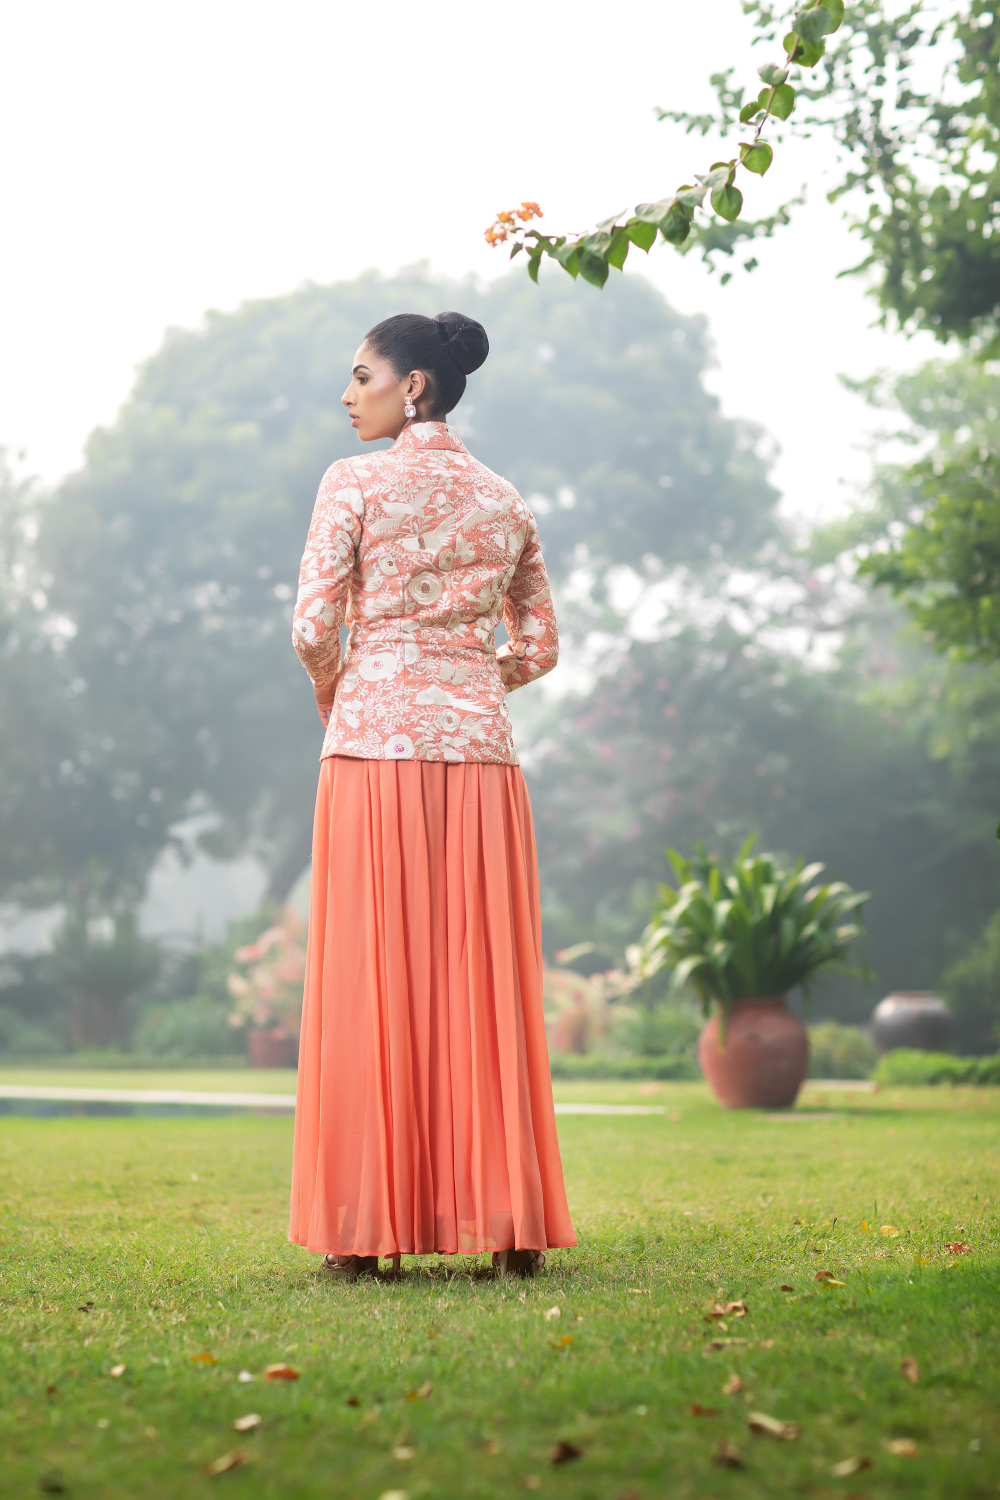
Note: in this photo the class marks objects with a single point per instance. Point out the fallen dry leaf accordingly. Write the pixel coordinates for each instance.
(552, 1312)
(353, 1401)
(902, 1447)
(727, 1310)
(420, 1394)
(714, 1344)
(733, 1385)
(224, 1464)
(761, 1423)
(86, 1307)
(911, 1370)
(394, 1495)
(829, 1278)
(204, 1358)
(404, 1452)
(863, 1226)
(492, 1447)
(848, 1466)
(956, 1247)
(280, 1372)
(889, 1229)
(244, 1377)
(564, 1342)
(702, 1411)
(247, 1423)
(529, 1482)
(767, 1343)
(565, 1453)
(726, 1456)
(50, 1390)
(784, 1287)
(117, 1371)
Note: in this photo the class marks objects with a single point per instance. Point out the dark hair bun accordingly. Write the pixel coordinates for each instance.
(466, 340)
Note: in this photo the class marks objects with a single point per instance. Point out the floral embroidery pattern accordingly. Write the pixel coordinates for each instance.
(421, 551)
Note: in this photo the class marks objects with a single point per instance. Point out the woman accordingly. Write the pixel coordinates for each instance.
(425, 1119)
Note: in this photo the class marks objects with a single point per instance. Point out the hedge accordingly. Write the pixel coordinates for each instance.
(905, 1067)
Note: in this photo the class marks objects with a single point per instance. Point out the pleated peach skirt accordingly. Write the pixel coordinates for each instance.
(425, 1119)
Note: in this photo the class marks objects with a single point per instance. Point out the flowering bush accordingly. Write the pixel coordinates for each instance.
(268, 993)
(577, 1006)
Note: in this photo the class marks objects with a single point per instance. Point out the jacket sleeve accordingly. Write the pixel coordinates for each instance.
(325, 574)
(533, 648)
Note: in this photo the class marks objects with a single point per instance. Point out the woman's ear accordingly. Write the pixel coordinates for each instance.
(414, 385)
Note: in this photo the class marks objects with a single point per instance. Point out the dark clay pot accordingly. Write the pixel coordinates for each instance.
(912, 1018)
(271, 1049)
(764, 1059)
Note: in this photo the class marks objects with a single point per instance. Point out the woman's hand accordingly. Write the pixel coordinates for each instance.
(324, 695)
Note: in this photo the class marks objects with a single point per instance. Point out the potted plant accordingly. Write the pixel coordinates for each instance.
(268, 993)
(742, 934)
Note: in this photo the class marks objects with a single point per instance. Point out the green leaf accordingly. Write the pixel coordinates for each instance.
(568, 257)
(802, 52)
(814, 23)
(534, 261)
(654, 213)
(676, 227)
(720, 176)
(836, 9)
(756, 156)
(618, 249)
(749, 110)
(608, 226)
(641, 233)
(691, 197)
(772, 74)
(727, 202)
(783, 101)
(516, 250)
(593, 268)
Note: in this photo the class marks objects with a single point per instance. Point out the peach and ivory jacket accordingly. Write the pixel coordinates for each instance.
(421, 550)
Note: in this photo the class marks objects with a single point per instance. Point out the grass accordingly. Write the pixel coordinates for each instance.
(174, 1230)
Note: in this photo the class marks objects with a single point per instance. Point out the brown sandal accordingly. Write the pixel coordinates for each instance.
(517, 1262)
(348, 1267)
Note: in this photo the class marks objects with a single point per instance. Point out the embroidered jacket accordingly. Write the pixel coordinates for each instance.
(421, 550)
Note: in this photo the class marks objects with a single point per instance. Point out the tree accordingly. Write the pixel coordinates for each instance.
(921, 165)
(710, 735)
(169, 561)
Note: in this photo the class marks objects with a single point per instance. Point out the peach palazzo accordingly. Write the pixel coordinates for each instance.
(425, 1120)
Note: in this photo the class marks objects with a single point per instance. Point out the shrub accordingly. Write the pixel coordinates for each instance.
(599, 1065)
(659, 1030)
(907, 1068)
(18, 1038)
(840, 1052)
(184, 1029)
(972, 989)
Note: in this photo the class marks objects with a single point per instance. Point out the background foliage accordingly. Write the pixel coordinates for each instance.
(718, 676)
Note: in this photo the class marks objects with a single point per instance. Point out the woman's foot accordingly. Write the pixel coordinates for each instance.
(517, 1262)
(347, 1267)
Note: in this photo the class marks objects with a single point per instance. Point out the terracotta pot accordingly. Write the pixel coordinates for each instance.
(765, 1057)
(912, 1018)
(271, 1049)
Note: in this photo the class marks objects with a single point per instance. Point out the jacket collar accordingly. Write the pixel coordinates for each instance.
(421, 435)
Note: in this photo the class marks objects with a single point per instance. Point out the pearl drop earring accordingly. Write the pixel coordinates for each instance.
(409, 410)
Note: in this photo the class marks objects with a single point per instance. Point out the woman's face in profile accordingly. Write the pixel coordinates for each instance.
(376, 396)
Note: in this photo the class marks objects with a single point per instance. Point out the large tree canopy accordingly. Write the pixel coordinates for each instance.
(169, 561)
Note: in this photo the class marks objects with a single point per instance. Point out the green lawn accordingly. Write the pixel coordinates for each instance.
(174, 1231)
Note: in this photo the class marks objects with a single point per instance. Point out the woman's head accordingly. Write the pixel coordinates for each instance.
(410, 358)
